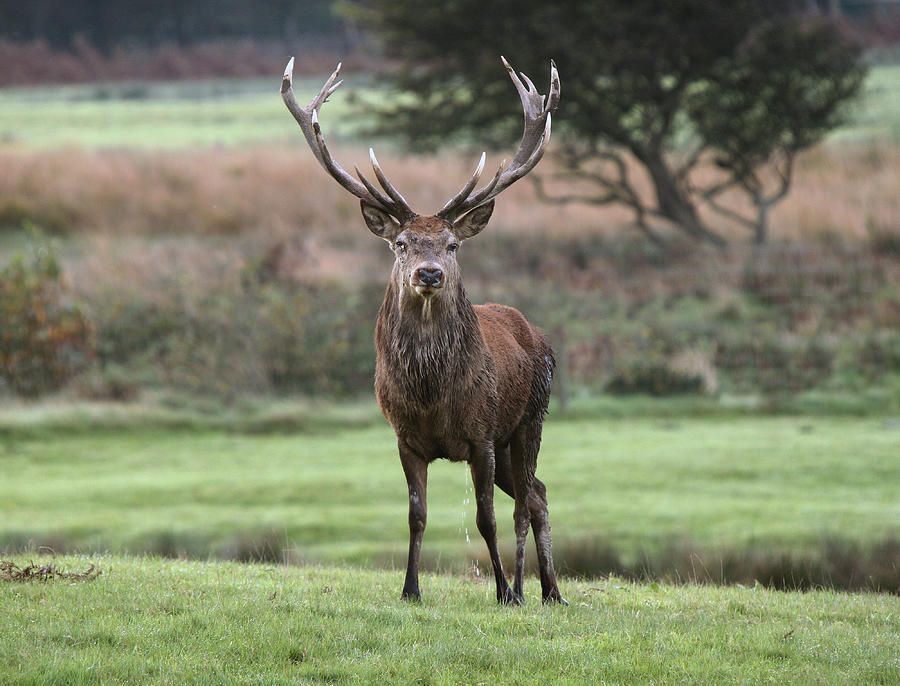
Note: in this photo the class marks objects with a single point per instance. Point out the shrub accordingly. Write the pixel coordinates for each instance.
(224, 338)
(45, 336)
(654, 377)
(879, 354)
(773, 363)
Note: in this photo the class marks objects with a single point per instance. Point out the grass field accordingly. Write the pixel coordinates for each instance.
(877, 116)
(638, 488)
(155, 622)
(231, 111)
(149, 114)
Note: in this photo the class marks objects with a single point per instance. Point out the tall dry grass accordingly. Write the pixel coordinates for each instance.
(842, 191)
(207, 212)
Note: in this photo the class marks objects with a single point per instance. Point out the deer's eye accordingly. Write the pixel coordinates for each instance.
(401, 246)
(453, 247)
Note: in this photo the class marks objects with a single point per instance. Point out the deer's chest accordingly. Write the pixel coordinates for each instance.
(431, 442)
(441, 423)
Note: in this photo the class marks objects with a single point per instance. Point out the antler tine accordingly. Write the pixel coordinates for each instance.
(531, 86)
(533, 108)
(385, 184)
(536, 109)
(487, 189)
(304, 115)
(332, 167)
(467, 189)
(308, 119)
(469, 200)
(372, 188)
(512, 175)
(553, 97)
(538, 153)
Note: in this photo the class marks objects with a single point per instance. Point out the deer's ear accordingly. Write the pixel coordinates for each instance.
(379, 222)
(472, 223)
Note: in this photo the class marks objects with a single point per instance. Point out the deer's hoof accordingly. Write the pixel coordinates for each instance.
(554, 598)
(411, 596)
(508, 597)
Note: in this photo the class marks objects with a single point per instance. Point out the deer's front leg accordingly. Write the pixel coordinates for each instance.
(416, 471)
(482, 468)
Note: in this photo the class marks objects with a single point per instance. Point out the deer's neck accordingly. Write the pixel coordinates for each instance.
(427, 342)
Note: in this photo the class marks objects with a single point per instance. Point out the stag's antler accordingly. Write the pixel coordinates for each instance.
(537, 109)
(537, 132)
(308, 117)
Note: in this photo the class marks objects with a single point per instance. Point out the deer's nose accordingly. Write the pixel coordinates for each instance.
(428, 276)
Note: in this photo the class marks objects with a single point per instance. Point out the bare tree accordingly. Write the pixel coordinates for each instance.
(690, 99)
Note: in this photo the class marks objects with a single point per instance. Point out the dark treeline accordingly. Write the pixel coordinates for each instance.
(110, 24)
(107, 24)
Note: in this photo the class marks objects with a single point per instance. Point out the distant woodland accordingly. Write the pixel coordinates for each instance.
(109, 24)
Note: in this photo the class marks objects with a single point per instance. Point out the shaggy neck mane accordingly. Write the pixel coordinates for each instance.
(426, 345)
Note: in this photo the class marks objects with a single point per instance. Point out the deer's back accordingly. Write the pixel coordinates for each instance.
(523, 361)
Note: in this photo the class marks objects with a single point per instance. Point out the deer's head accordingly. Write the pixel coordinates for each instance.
(425, 246)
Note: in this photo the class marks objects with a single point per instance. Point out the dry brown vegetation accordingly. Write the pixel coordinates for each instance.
(234, 270)
(10, 571)
(841, 191)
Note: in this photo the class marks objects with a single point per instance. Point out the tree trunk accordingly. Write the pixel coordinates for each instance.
(763, 206)
(672, 202)
(761, 233)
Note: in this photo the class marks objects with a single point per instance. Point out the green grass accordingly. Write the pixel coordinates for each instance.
(334, 494)
(877, 115)
(640, 485)
(151, 621)
(230, 112)
(171, 115)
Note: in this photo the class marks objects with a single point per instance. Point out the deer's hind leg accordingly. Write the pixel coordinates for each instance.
(540, 525)
(483, 475)
(531, 510)
(523, 449)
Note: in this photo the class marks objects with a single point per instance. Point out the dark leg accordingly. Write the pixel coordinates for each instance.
(482, 468)
(540, 523)
(416, 471)
(523, 460)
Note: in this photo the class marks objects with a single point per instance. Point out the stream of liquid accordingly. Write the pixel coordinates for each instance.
(463, 517)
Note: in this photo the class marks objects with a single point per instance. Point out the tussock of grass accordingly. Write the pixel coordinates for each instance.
(10, 571)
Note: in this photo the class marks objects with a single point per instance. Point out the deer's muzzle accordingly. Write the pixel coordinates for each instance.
(429, 276)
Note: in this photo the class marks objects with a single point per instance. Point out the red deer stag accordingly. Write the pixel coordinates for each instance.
(456, 381)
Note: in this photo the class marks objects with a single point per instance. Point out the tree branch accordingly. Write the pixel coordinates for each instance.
(541, 192)
(786, 177)
(729, 213)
